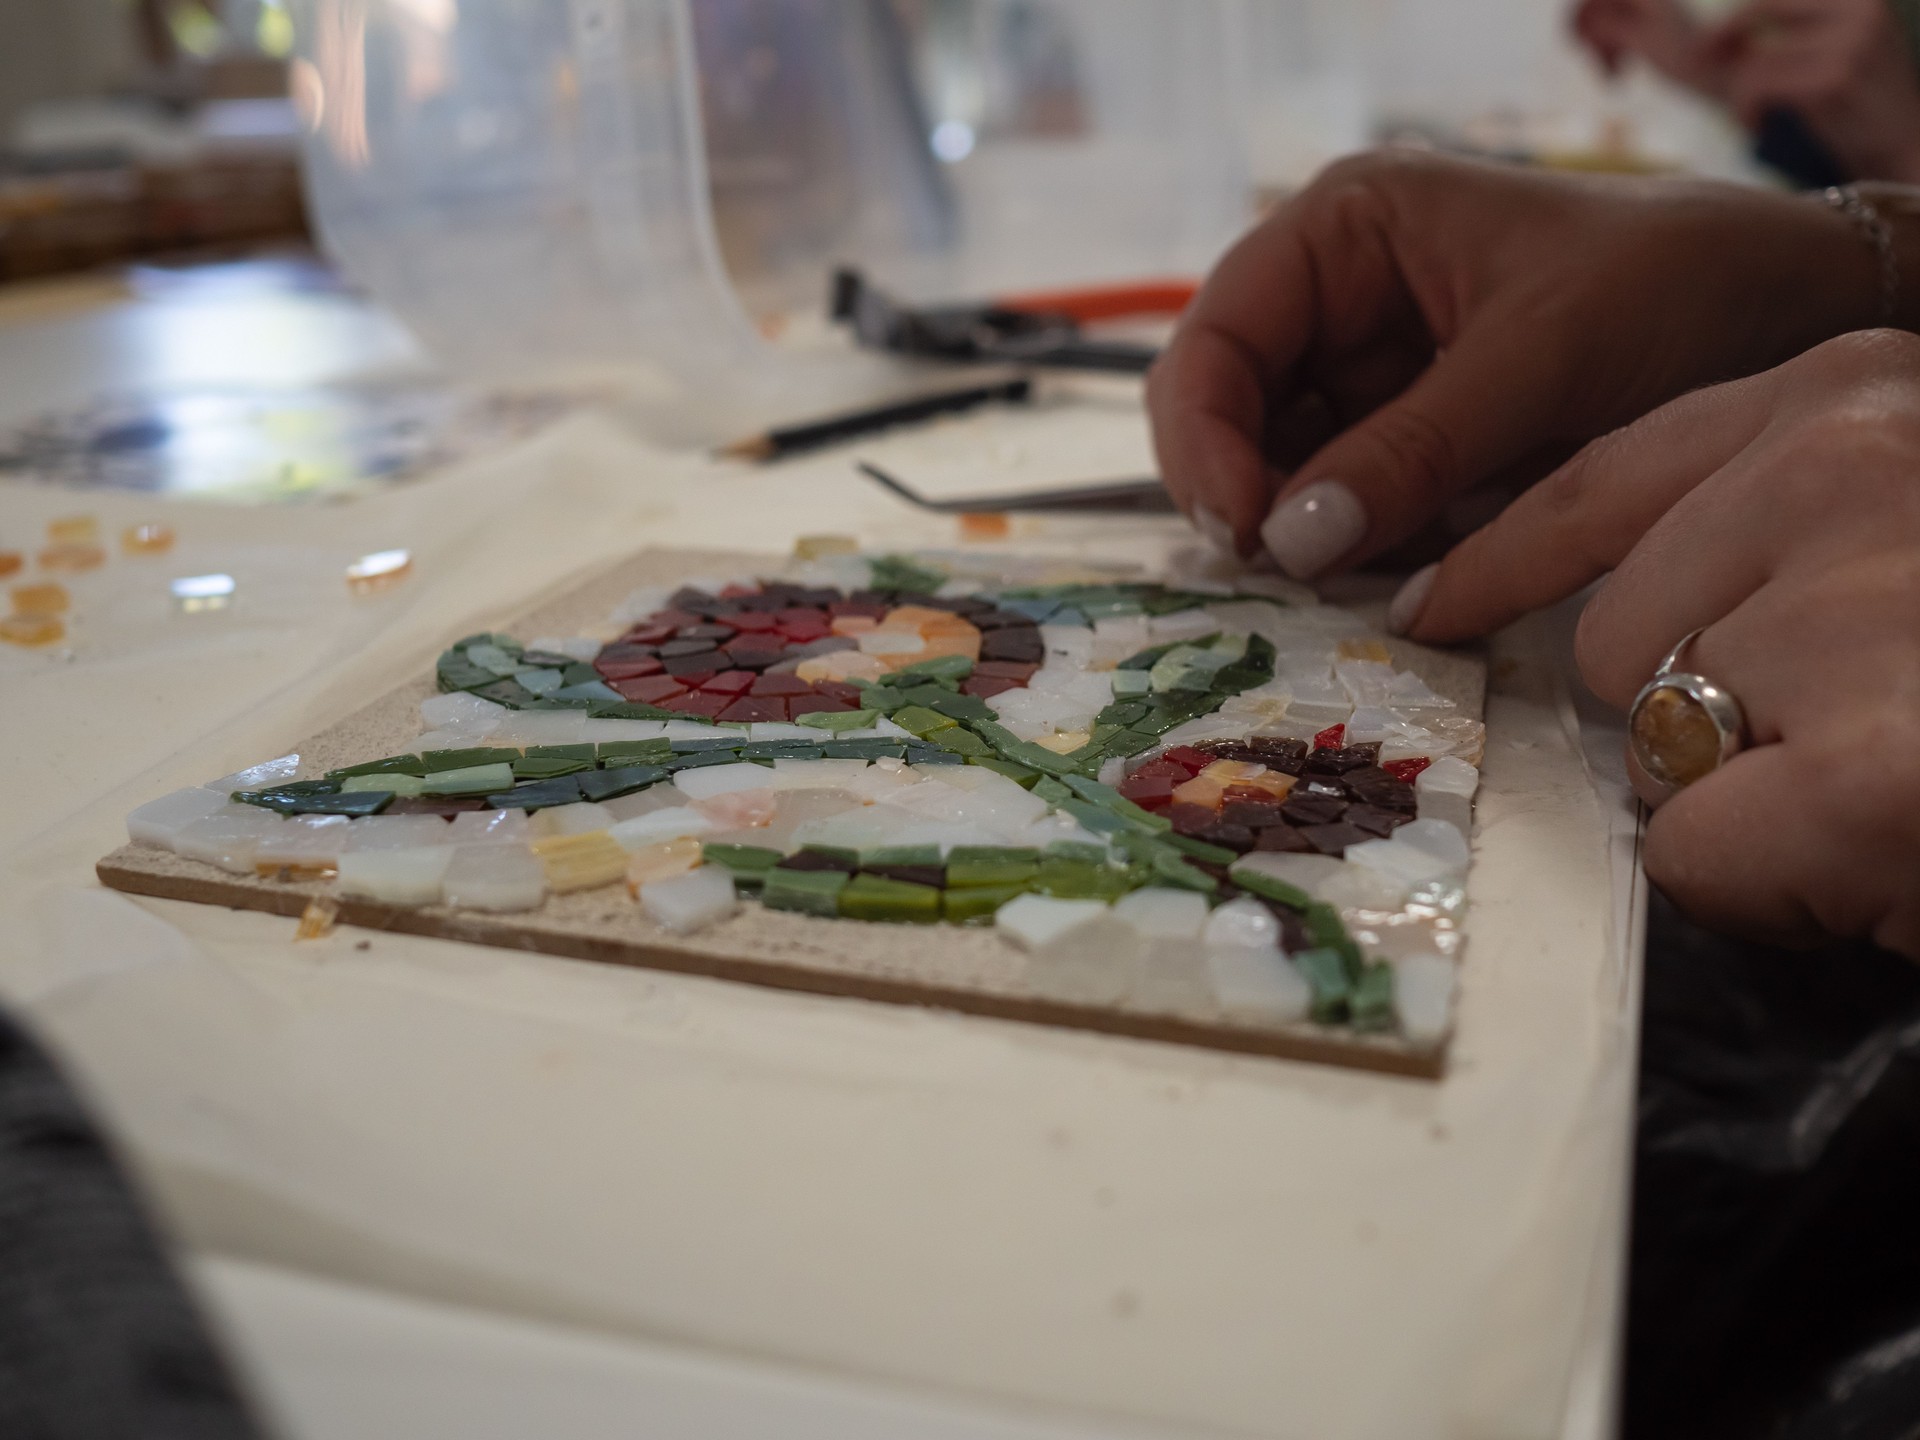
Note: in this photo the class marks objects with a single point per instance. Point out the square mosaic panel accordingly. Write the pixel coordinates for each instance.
(1182, 809)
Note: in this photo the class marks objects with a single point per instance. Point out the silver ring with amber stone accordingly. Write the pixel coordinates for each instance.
(1683, 726)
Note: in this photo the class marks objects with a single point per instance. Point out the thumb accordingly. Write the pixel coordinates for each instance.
(1486, 402)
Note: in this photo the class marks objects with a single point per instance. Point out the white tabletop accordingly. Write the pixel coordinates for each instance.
(571, 1168)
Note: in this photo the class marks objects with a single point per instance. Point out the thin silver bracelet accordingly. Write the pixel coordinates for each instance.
(1848, 200)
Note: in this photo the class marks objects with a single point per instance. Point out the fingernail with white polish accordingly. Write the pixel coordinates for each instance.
(1411, 600)
(1314, 527)
(1214, 528)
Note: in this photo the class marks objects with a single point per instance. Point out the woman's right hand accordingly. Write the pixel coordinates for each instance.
(1409, 327)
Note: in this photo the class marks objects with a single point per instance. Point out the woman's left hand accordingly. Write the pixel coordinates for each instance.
(1782, 514)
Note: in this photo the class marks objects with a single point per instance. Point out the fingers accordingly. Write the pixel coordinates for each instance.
(1776, 649)
(1585, 518)
(1482, 405)
(1737, 854)
(1317, 302)
(1210, 393)
(1209, 413)
(1784, 845)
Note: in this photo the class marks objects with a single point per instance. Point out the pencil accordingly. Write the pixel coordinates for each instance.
(791, 439)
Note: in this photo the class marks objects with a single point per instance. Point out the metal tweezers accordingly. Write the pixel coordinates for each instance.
(1147, 496)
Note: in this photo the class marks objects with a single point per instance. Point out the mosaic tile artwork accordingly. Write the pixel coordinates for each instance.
(1205, 798)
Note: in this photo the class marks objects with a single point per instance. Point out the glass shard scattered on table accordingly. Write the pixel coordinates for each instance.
(32, 631)
(371, 574)
(74, 530)
(147, 539)
(317, 920)
(199, 594)
(985, 525)
(72, 558)
(51, 598)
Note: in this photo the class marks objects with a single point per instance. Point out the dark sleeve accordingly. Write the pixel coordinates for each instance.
(98, 1338)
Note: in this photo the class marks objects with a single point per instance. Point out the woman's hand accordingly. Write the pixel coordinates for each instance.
(1782, 513)
(1657, 31)
(1844, 65)
(1409, 327)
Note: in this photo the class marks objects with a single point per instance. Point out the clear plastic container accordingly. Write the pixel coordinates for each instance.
(638, 193)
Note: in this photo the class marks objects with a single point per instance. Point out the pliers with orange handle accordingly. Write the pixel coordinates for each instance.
(1041, 329)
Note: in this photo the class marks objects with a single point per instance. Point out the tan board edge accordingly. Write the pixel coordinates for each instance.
(126, 870)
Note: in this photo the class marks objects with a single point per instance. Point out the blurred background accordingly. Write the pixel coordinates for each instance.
(641, 202)
(141, 127)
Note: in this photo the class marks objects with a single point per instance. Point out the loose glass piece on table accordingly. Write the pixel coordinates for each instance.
(32, 630)
(379, 571)
(985, 525)
(150, 539)
(317, 920)
(74, 530)
(72, 558)
(196, 594)
(48, 599)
